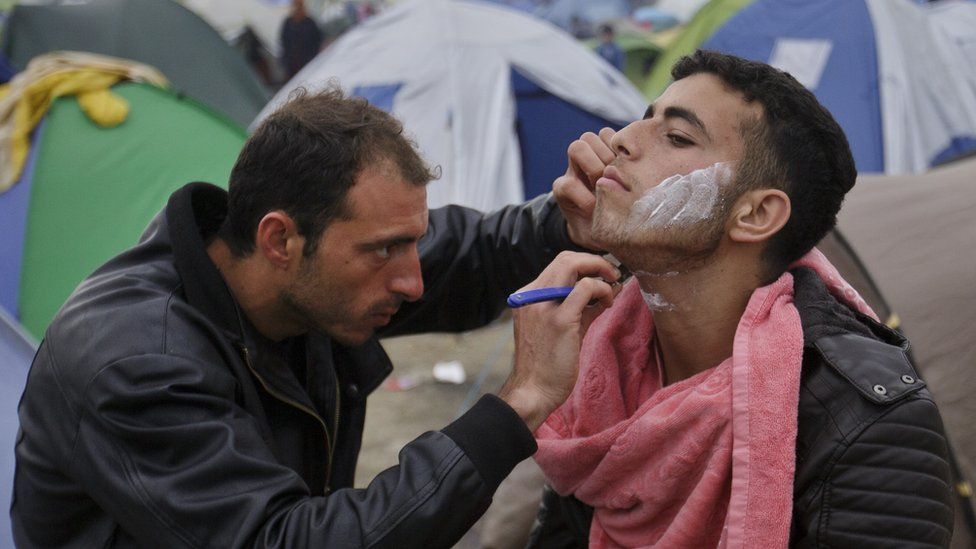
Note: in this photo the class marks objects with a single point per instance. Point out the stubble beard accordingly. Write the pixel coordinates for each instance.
(312, 301)
(659, 250)
(317, 302)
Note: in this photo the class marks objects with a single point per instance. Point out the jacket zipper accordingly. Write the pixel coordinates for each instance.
(302, 407)
(335, 432)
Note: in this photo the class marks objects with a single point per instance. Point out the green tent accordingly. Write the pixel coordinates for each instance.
(701, 27)
(640, 55)
(88, 192)
(161, 33)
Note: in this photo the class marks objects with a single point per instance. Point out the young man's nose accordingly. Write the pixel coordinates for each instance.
(621, 142)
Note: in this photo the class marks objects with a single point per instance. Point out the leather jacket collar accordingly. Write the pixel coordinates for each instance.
(193, 213)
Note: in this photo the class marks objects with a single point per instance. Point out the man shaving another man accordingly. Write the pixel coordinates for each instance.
(739, 392)
(208, 387)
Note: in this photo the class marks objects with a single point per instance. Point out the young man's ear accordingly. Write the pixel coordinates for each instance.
(278, 240)
(759, 214)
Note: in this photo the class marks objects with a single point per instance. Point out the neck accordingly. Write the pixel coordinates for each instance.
(248, 279)
(696, 313)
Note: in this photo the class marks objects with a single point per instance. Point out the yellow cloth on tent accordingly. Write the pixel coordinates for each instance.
(26, 99)
(104, 107)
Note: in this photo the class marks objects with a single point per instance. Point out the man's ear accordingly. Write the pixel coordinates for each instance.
(759, 214)
(278, 240)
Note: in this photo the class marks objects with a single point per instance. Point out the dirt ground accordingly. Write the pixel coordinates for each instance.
(395, 416)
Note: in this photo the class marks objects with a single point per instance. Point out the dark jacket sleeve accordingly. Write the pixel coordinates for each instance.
(563, 522)
(162, 449)
(889, 488)
(471, 261)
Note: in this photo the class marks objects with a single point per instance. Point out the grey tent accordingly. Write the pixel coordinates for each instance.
(160, 33)
(911, 239)
(916, 235)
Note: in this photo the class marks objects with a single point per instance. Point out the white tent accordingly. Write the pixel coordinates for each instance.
(928, 91)
(232, 17)
(448, 70)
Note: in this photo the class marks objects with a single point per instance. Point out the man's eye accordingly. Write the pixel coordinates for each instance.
(382, 253)
(679, 141)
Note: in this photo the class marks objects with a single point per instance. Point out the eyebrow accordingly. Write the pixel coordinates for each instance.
(682, 113)
(388, 241)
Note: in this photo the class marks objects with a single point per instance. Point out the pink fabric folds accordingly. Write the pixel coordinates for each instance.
(704, 462)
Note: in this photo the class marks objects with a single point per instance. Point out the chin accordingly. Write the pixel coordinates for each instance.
(601, 230)
(350, 338)
(606, 234)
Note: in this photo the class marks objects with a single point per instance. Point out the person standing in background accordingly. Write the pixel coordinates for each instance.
(608, 48)
(301, 39)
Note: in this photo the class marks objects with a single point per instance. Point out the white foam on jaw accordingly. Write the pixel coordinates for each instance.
(680, 200)
(656, 302)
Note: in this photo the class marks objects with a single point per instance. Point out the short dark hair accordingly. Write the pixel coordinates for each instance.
(796, 147)
(304, 158)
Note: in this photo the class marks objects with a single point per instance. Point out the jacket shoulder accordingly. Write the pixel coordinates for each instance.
(879, 371)
(848, 381)
(116, 315)
(869, 433)
(884, 483)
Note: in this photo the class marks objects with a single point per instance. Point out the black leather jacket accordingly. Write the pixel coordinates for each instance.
(155, 416)
(871, 457)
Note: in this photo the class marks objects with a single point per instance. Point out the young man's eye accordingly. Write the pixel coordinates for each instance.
(679, 141)
(382, 253)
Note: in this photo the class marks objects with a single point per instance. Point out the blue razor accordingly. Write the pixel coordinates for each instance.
(556, 293)
(521, 299)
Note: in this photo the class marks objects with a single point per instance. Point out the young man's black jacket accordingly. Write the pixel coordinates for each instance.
(872, 465)
(156, 416)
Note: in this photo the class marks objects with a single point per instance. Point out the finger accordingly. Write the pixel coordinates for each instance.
(569, 267)
(589, 293)
(606, 135)
(603, 297)
(603, 151)
(602, 300)
(573, 195)
(584, 160)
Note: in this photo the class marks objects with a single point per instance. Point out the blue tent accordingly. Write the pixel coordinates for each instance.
(848, 85)
(903, 112)
(16, 353)
(545, 125)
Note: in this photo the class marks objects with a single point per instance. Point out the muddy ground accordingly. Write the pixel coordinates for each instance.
(395, 415)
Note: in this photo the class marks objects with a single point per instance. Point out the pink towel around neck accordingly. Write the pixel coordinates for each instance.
(707, 461)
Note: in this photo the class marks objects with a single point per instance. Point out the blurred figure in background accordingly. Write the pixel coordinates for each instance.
(578, 28)
(251, 46)
(301, 39)
(608, 48)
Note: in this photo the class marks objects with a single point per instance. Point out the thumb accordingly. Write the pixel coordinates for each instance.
(601, 301)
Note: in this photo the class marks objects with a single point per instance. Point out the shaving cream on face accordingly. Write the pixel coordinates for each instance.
(680, 200)
(656, 302)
